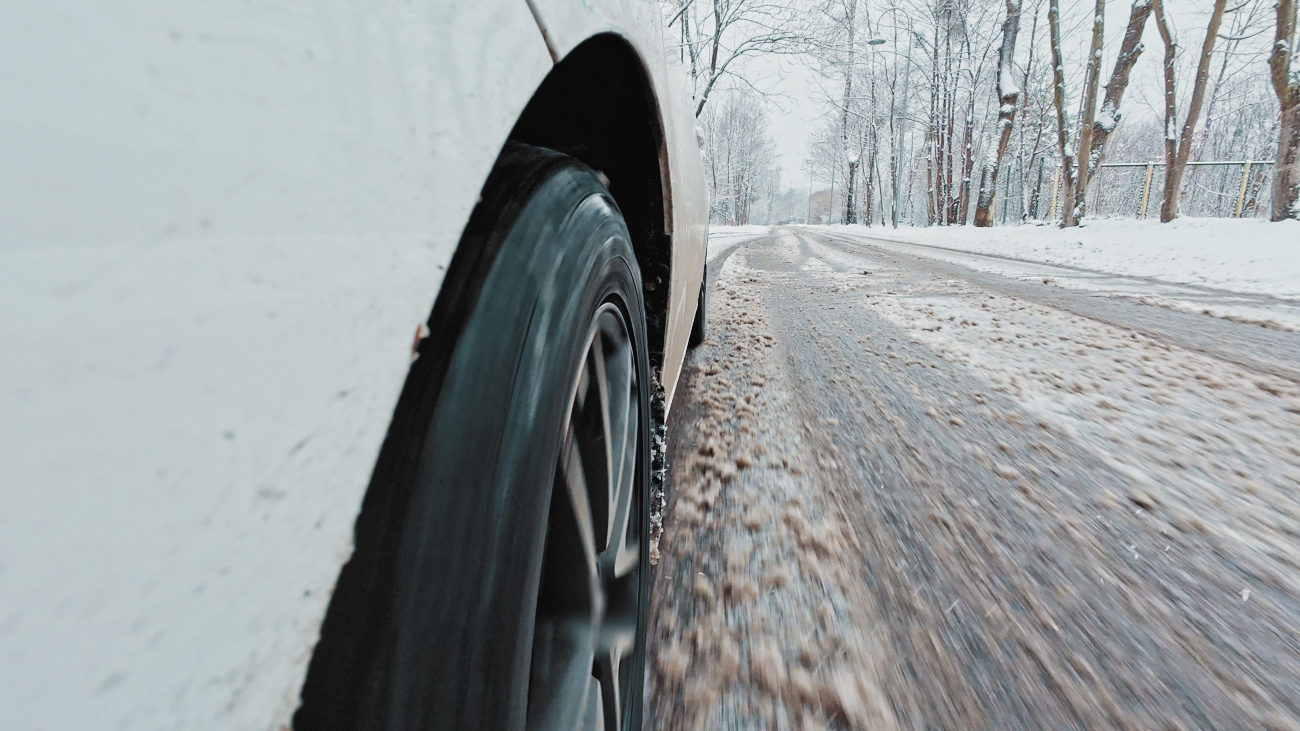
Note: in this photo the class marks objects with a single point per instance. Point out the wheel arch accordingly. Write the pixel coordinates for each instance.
(598, 104)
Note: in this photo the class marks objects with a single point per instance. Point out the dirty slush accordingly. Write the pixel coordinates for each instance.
(904, 495)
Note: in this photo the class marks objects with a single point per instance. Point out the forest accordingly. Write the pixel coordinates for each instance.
(995, 112)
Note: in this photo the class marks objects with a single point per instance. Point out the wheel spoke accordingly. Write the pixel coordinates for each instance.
(622, 398)
(589, 599)
(575, 484)
(624, 550)
(592, 432)
(594, 718)
(615, 646)
(620, 551)
(560, 680)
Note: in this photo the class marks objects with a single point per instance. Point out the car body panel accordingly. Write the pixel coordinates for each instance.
(220, 226)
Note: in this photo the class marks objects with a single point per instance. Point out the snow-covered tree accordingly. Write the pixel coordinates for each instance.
(739, 155)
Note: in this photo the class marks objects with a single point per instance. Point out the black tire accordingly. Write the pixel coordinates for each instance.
(470, 602)
(700, 326)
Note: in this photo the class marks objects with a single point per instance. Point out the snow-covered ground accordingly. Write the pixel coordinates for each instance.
(720, 237)
(1256, 257)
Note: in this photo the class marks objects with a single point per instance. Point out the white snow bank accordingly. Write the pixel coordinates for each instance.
(1257, 257)
(720, 237)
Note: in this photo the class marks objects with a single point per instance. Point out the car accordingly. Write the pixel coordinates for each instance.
(337, 345)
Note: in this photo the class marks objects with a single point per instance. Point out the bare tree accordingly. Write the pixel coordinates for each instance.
(739, 155)
(1285, 74)
(1091, 78)
(1129, 50)
(996, 120)
(1008, 96)
(1029, 153)
(1058, 99)
(850, 13)
(717, 40)
(1177, 149)
(1095, 128)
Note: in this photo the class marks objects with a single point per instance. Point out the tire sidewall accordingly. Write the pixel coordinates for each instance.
(470, 556)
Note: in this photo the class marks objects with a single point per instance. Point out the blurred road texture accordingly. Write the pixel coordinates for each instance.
(908, 494)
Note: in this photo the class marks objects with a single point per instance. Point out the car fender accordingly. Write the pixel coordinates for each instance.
(565, 25)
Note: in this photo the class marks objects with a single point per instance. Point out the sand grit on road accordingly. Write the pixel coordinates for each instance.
(758, 607)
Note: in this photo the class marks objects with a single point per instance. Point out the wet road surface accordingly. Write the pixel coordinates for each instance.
(906, 493)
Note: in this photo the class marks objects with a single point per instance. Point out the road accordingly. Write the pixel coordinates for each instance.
(906, 492)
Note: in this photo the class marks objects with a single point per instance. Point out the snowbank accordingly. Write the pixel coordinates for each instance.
(1257, 257)
(720, 237)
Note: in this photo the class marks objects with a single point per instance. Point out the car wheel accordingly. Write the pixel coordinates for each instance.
(700, 327)
(501, 574)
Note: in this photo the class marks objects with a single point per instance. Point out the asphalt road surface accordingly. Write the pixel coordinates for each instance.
(906, 492)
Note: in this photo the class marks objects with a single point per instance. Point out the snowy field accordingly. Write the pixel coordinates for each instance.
(1256, 257)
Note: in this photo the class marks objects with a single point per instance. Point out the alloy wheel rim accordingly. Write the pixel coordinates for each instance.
(587, 610)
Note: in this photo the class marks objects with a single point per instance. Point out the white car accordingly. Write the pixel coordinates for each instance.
(330, 338)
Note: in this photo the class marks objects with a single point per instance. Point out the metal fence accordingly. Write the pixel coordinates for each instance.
(1125, 190)
(1219, 189)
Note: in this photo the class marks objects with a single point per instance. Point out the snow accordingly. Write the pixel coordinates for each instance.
(1007, 81)
(721, 237)
(1108, 117)
(1249, 256)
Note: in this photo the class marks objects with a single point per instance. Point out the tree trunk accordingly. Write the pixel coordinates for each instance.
(950, 156)
(932, 134)
(1286, 83)
(1058, 98)
(1129, 50)
(1092, 75)
(870, 178)
(1027, 164)
(1032, 206)
(931, 179)
(967, 163)
(1008, 95)
(945, 138)
(850, 209)
(848, 94)
(1177, 150)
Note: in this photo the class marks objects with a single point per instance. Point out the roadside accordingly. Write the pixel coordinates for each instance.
(1238, 255)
